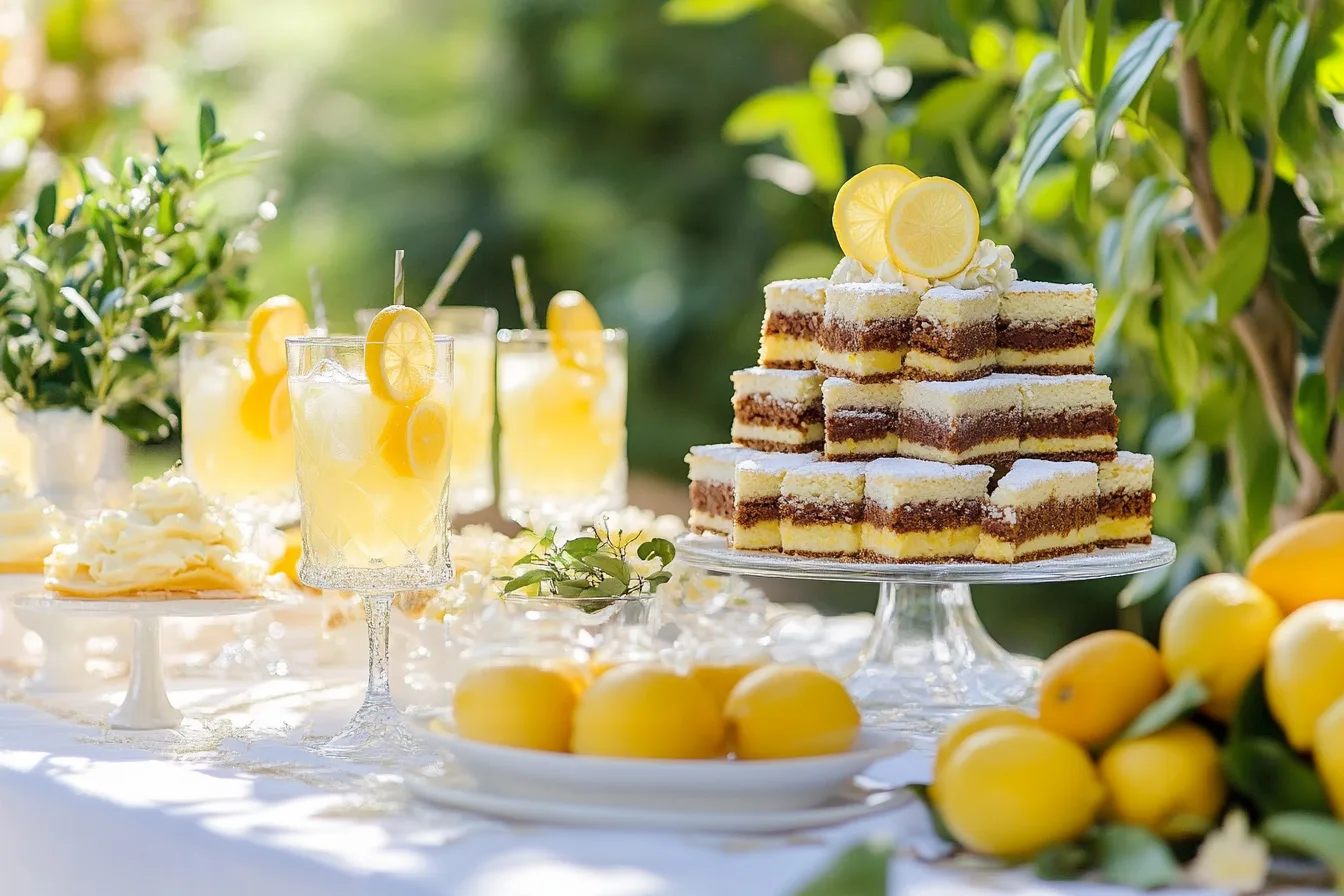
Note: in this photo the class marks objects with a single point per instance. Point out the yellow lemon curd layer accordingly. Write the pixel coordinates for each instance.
(884, 445)
(699, 519)
(922, 360)
(984, 449)
(751, 431)
(759, 536)
(822, 538)
(958, 542)
(1066, 444)
(1123, 528)
(997, 550)
(783, 347)
(1077, 356)
(869, 363)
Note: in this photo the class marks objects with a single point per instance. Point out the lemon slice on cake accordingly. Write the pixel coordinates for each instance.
(274, 320)
(399, 355)
(933, 228)
(576, 331)
(415, 439)
(861, 210)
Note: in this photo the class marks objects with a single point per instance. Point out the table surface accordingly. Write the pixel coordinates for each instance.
(235, 802)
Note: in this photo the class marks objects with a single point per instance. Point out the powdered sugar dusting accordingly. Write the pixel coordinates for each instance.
(1027, 472)
(777, 463)
(926, 469)
(1028, 286)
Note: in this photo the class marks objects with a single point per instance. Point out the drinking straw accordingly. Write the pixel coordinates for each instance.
(399, 278)
(454, 269)
(524, 290)
(315, 297)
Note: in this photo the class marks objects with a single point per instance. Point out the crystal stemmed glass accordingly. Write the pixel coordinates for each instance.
(373, 493)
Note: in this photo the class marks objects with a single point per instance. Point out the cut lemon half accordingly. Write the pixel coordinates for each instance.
(861, 210)
(271, 323)
(415, 439)
(265, 408)
(399, 355)
(933, 229)
(576, 331)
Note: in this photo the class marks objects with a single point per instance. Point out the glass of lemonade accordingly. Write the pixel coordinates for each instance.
(473, 330)
(236, 441)
(562, 426)
(373, 471)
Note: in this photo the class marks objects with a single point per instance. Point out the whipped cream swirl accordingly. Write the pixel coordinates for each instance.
(991, 265)
(851, 270)
(29, 526)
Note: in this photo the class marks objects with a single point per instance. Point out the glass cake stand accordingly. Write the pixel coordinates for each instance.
(928, 658)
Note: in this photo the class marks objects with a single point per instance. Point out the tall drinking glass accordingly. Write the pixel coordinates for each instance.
(473, 330)
(562, 426)
(373, 489)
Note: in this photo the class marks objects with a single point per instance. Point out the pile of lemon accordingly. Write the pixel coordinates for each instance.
(647, 711)
(1009, 784)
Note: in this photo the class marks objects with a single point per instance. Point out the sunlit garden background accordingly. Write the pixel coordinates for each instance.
(668, 159)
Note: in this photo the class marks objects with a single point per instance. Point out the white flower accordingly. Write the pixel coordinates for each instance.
(1232, 859)
(850, 270)
(888, 273)
(991, 265)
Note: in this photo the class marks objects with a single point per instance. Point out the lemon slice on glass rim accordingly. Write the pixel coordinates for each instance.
(268, 326)
(265, 408)
(861, 210)
(933, 229)
(576, 331)
(415, 439)
(400, 358)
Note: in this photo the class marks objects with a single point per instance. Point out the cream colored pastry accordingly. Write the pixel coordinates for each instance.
(901, 498)
(1040, 509)
(821, 509)
(169, 542)
(29, 526)
(991, 265)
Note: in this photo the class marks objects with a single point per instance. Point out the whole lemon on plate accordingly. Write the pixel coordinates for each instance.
(1300, 563)
(1304, 672)
(516, 706)
(1328, 752)
(1217, 628)
(1091, 689)
(1165, 782)
(647, 712)
(787, 712)
(1012, 790)
(972, 723)
(719, 679)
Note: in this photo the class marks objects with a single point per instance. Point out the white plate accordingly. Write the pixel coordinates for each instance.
(857, 800)
(706, 785)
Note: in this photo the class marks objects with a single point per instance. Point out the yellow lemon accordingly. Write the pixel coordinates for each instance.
(515, 706)
(973, 723)
(1217, 628)
(265, 407)
(1300, 563)
(933, 228)
(415, 439)
(719, 679)
(288, 562)
(1304, 671)
(1093, 688)
(1329, 754)
(861, 210)
(1012, 790)
(400, 358)
(1164, 781)
(274, 320)
(783, 712)
(576, 331)
(648, 712)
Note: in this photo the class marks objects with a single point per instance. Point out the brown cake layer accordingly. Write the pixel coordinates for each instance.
(802, 326)
(1119, 505)
(779, 447)
(763, 410)
(848, 423)
(812, 513)
(1072, 424)
(975, 373)
(961, 433)
(855, 378)
(1047, 369)
(953, 343)
(889, 334)
(1036, 336)
(821, 555)
(1121, 542)
(748, 513)
(1049, 517)
(867, 556)
(714, 498)
(923, 516)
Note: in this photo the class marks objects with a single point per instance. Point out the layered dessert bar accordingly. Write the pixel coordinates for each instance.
(777, 410)
(1125, 505)
(756, 489)
(1069, 417)
(1040, 509)
(971, 421)
(821, 509)
(711, 472)
(30, 527)
(954, 334)
(793, 313)
(866, 330)
(861, 418)
(918, 511)
(1047, 328)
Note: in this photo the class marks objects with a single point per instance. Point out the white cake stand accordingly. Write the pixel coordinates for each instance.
(929, 659)
(146, 705)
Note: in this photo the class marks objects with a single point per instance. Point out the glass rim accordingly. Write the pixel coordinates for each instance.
(346, 341)
(539, 337)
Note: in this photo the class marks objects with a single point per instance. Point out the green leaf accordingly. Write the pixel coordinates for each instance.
(1073, 34)
(1179, 349)
(45, 214)
(612, 566)
(1313, 414)
(860, 870)
(708, 12)
(1134, 857)
(657, 579)
(206, 126)
(1132, 71)
(1198, 31)
(1185, 696)
(1101, 32)
(1043, 78)
(955, 105)
(1318, 836)
(1145, 214)
(1273, 777)
(609, 587)
(1253, 717)
(1233, 171)
(1285, 51)
(661, 548)
(1062, 861)
(1049, 132)
(581, 547)
(1238, 264)
(919, 51)
(528, 579)
(805, 123)
(921, 791)
(1142, 586)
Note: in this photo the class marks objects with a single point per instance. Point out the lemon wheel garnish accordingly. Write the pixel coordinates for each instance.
(415, 439)
(861, 210)
(265, 407)
(270, 324)
(576, 331)
(399, 355)
(933, 228)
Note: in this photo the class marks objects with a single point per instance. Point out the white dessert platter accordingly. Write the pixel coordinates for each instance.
(691, 786)
(929, 659)
(146, 705)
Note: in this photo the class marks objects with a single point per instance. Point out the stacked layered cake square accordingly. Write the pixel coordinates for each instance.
(896, 421)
